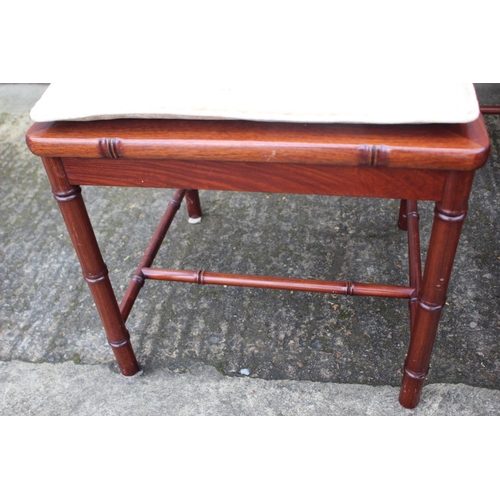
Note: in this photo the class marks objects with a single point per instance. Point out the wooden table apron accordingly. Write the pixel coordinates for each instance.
(407, 162)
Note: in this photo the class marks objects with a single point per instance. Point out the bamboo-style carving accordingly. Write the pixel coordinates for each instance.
(300, 285)
(449, 215)
(395, 146)
(94, 269)
(137, 281)
(372, 155)
(110, 148)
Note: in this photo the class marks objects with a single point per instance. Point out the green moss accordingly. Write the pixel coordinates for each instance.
(219, 367)
(325, 345)
(77, 359)
(343, 314)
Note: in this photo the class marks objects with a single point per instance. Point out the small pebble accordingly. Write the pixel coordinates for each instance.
(473, 325)
(245, 371)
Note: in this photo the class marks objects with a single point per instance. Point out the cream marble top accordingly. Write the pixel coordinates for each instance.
(287, 101)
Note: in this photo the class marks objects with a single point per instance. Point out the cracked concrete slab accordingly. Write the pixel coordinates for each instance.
(69, 389)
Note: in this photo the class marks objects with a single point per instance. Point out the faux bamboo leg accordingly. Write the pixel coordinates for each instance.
(448, 219)
(95, 273)
(193, 206)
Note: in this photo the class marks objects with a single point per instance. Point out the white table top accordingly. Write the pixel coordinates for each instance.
(282, 101)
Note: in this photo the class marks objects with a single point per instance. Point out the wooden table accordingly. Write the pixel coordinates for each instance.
(407, 162)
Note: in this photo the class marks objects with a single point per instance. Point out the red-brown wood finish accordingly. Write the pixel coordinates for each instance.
(137, 281)
(193, 204)
(450, 147)
(94, 269)
(300, 285)
(414, 256)
(410, 163)
(381, 182)
(490, 110)
(450, 213)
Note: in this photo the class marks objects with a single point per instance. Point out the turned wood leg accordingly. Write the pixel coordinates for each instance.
(402, 219)
(193, 206)
(95, 273)
(448, 219)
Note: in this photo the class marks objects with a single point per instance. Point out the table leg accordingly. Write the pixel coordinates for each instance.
(402, 219)
(193, 206)
(448, 219)
(94, 269)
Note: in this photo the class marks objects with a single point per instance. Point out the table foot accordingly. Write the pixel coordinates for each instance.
(193, 206)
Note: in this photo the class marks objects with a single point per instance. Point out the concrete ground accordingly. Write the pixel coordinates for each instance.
(233, 351)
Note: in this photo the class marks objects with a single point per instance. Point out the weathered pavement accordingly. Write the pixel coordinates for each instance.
(306, 354)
